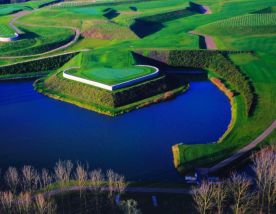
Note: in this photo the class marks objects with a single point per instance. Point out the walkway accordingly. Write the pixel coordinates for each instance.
(23, 13)
(241, 152)
(128, 189)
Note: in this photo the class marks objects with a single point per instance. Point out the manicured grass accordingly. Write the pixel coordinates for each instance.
(5, 31)
(245, 24)
(112, 76)
(6, 9)
(36, 40)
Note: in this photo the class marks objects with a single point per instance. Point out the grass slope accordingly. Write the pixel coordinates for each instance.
(111, 76)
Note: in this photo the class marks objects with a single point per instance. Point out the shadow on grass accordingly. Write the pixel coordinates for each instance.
(184, 74)
(143, 28)
(133, 8)
(202, 42)
(111, 14)
(149, 25)
(28, 35)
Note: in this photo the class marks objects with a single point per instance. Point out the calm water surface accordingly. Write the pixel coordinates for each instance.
(38, 130)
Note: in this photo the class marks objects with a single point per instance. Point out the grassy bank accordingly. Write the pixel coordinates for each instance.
(106, 102)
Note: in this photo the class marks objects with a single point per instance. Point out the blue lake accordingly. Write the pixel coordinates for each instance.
(38, 130)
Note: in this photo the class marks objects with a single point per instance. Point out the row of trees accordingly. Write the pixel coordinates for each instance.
(242, 194)
(218, 62)
(38, 65)
(20, 188)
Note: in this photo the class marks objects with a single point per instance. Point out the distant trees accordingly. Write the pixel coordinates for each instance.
(19, 194)
(203, 196)
(239, 193)
(38, 65)
(264, 166)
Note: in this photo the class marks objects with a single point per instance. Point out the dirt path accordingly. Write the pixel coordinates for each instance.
(207, 9)
(209, 41)
(241, 152)
(23, 13)
(128, 189)
(16, 16)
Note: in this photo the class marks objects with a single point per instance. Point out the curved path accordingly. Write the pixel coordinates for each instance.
(209, 41)
(241, 152)
(23, 13)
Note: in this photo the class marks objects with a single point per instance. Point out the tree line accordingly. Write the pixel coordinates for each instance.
(25, 190)
(37, 65)
(240, 193)
(219, 62)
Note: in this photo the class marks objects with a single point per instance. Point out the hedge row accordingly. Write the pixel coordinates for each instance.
(38, 65)
(42, 48)
(219, 63)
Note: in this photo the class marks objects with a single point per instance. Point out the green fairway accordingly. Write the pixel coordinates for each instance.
(112, 76)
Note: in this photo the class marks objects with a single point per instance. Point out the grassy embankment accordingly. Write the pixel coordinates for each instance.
(34, 68)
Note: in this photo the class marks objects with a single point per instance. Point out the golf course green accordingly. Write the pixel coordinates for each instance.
(112, 76)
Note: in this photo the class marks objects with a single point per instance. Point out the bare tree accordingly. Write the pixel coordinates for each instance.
(31, 178)
(7, 200)
(130, 207)
(46, 178)
(264, 166)
(63, 170)
(81, 176)
(111, 176)
(97, 179)
(43, 205)
(120, 184)
(24, 202)
(219, 196)
(239, 187)
(203, 196)
(12, 178)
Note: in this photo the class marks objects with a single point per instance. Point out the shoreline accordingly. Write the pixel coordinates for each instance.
(230, 95)
(165, 96)
(227, 92)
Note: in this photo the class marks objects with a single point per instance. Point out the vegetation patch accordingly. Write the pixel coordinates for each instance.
(36, 40)
(108, 30)
(35, 66)
(5, 31)
(260, 23)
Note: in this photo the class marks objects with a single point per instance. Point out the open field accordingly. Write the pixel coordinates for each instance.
(112, 31)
